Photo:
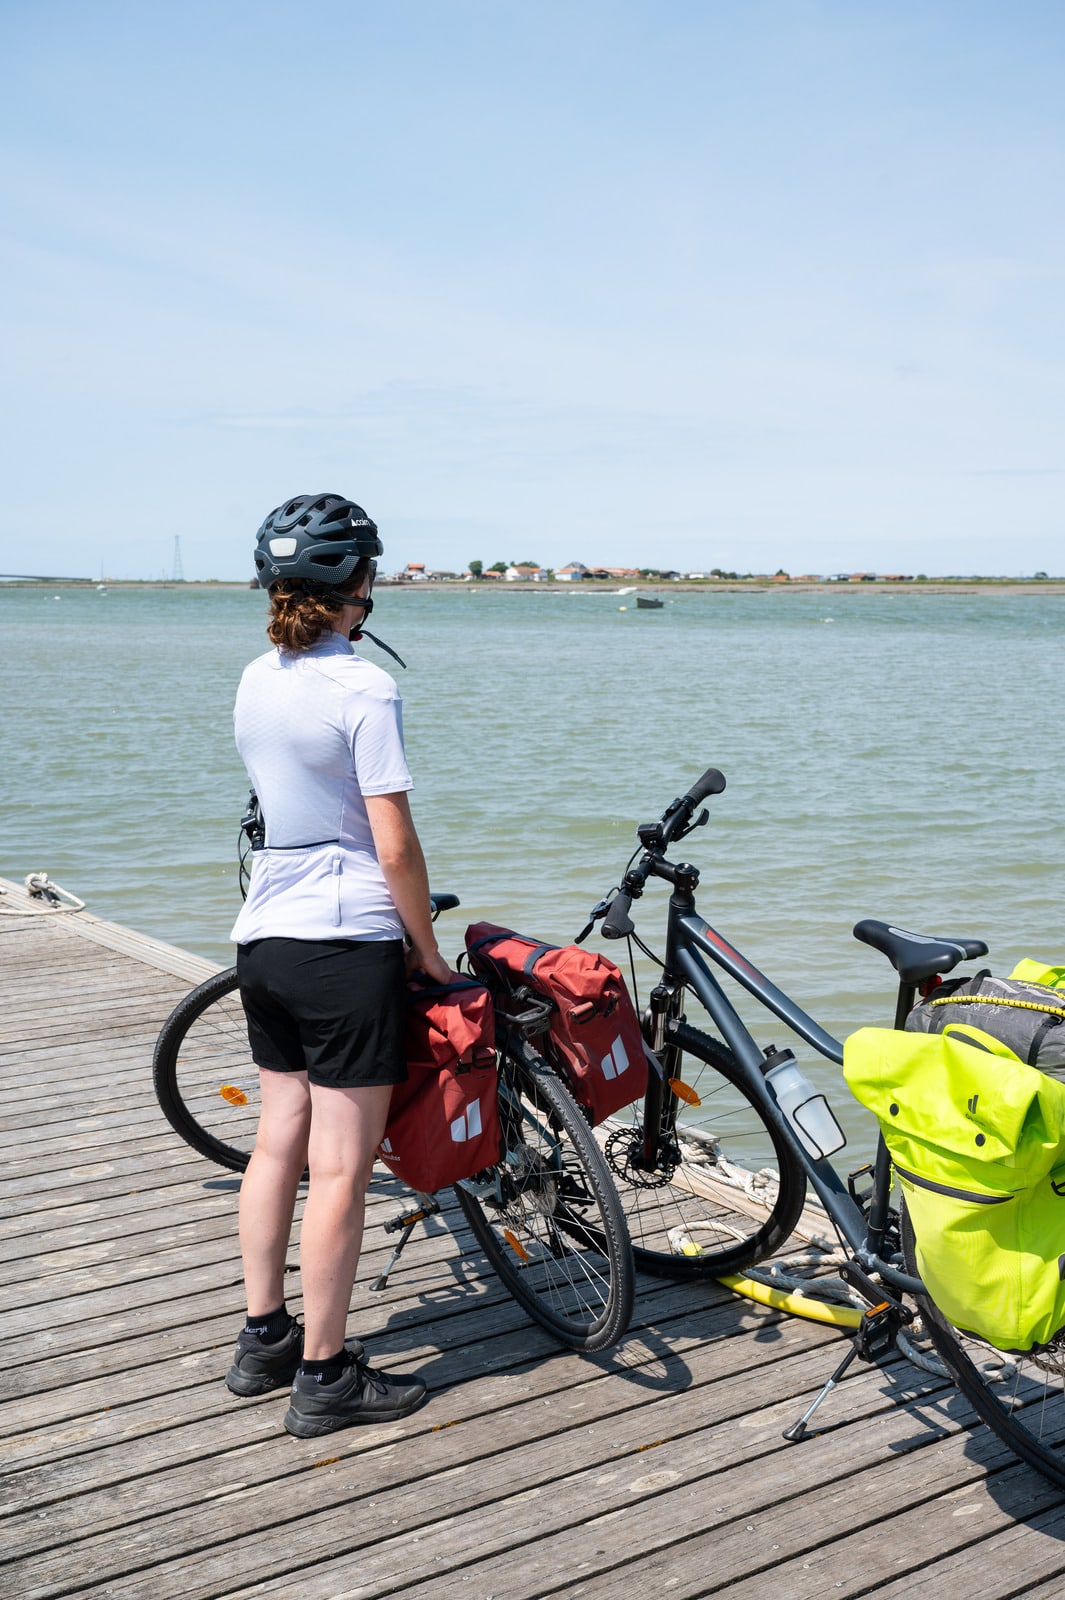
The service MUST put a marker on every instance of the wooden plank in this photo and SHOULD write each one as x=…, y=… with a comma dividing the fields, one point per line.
x=532, y=1472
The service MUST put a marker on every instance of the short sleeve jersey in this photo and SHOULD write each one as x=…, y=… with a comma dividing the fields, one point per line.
x=317, y=731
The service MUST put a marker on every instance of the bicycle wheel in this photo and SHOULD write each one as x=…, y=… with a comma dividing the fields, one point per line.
x=1021, y=1397
x=205, y=1080
x=547, y=1216
x=698, y=1209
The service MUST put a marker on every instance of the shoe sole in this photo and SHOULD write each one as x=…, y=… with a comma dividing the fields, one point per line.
x=304, y=1427
x=246, y=1384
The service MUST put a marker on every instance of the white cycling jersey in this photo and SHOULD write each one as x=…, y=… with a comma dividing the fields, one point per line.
x=317, y=730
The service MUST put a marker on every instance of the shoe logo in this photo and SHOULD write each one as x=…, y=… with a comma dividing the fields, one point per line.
x=615, y=1063
x=468, y=1125
x=971, y=1103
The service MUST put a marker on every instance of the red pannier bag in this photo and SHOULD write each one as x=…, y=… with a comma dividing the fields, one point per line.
x=443, y=1123
x=593, y=1031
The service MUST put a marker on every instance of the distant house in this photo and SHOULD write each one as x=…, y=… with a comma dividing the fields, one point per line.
x=573, y=573
x=863, y=577
x=622, y=572
x=523, y=573
x=414, y=572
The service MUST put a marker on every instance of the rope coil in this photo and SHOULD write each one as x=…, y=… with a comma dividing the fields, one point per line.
x=51, y=898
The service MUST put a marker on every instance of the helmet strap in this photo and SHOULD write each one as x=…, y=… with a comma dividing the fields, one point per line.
x=357, y=633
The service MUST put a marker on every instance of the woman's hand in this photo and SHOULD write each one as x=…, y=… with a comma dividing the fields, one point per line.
x=430, y=962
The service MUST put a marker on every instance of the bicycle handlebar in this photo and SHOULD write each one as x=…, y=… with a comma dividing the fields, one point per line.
x=676, y=816
x=617, y=924
x=675, y=822
x=711, y=782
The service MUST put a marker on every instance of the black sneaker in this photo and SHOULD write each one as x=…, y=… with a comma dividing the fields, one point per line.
x=259, y=1367
x=360, y=1394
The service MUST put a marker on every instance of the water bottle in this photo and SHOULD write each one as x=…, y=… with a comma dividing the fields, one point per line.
x=808, y=1112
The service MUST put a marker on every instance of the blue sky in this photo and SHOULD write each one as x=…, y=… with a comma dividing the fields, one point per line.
x=653, y=282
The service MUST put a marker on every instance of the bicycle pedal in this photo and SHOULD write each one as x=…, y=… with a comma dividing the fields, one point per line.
x=861, y=1197
x=874, y=1293
x=407, y=1219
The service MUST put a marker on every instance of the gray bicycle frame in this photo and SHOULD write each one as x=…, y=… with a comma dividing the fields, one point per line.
x=688, y=934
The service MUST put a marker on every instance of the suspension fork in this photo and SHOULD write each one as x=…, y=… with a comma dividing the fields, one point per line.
x=660, y=1103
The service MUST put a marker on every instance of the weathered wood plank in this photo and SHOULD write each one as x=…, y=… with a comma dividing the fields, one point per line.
x=532, y=1472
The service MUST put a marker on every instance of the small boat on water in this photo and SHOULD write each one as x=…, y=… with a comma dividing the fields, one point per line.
x=648, y=602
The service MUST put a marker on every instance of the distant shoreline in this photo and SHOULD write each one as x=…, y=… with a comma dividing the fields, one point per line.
x=937, y=586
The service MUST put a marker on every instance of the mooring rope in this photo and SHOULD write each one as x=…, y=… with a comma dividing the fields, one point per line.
x=51, y=898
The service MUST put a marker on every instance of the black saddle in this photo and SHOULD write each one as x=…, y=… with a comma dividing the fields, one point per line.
x=917, y=956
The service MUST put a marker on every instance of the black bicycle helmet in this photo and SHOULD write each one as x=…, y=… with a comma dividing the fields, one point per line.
x=318, y=539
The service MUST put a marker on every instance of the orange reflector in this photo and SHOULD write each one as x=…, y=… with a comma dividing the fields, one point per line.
x=516, y=1245
x=235, y=1096
x=684, y=1091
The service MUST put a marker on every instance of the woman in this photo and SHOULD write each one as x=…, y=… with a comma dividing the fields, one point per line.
x=338, y=887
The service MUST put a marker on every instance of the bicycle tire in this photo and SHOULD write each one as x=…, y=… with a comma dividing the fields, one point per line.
x=547, y=1217
x=1024, y=1404
x=688, y=1196
x=205, y=1080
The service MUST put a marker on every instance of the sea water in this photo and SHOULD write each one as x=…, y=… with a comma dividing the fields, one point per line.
x=888, y=754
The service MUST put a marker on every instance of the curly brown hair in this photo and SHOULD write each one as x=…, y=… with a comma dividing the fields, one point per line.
x=299, y=618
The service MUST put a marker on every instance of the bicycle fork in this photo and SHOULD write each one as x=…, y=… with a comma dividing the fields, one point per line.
x=660, y=1103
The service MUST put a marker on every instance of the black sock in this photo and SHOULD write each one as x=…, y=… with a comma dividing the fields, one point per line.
x=270, y=1328
x=327, y=1371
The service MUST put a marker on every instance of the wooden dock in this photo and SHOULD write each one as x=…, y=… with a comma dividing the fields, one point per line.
x=130, y=1471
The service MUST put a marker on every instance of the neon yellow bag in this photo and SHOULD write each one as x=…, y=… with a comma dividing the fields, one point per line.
x=978, y=1143
x=1035, y=972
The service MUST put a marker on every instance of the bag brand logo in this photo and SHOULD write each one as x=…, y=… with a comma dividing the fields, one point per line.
x=1058, y=1188
x=971, y=1103
x=468, y=1125
x=615, y=1063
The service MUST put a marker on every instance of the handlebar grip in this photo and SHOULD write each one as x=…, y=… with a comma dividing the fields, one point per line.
x=711, y=782
x=442, y=902
x=617, y=924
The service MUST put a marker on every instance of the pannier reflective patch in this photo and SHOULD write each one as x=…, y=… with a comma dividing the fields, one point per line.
x=468, y=1125
x=614, y=1064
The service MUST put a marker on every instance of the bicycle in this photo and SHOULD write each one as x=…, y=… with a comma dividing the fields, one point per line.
x=715, y=1099
x=547, y=1215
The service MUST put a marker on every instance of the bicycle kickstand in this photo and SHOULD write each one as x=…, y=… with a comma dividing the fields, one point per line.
x=407, y=1221
x=874, y=1336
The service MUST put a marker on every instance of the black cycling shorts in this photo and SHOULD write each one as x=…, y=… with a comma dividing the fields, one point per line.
x=333, y=1008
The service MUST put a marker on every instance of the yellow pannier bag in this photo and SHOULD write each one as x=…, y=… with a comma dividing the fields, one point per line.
x=977, y=1139
x=1030, y=971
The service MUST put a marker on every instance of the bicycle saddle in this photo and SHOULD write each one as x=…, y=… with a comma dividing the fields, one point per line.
x=917, y=956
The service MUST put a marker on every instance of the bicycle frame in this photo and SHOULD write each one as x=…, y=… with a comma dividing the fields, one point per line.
x=690, y=937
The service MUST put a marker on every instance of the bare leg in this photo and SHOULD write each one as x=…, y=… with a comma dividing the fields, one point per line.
x=347, y=1125
x=268, y=1192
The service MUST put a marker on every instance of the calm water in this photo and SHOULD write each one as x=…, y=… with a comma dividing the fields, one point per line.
x=887, y=755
